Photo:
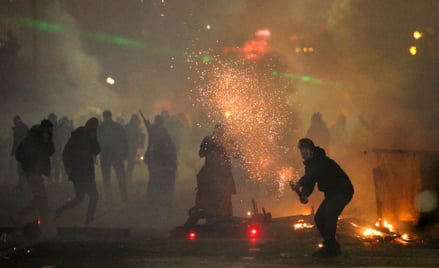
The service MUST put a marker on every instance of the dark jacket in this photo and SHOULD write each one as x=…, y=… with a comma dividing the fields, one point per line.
x=329, y=176
x=161, y=149
x=78, y=155
x=34, y=152
x=112, y=140
x=19, y=132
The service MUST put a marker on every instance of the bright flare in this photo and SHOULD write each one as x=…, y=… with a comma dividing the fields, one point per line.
x=413, y=50
x=417, y=35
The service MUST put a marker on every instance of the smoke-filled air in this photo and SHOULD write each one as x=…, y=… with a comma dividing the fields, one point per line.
x=350, y=75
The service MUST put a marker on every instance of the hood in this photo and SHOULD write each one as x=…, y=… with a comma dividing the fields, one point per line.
x=319, y=152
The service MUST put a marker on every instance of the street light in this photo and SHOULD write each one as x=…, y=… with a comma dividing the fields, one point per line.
x=417, y=35
x=413, y=50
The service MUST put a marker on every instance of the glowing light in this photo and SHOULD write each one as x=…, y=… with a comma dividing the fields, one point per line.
x=427, y=201
x=253, y=49
x=206, y=58
x=302, y=225
x=265, y=33
x=248, y=102
x=208, y=27
x=311, y=49
x=385, y=224
x=305, y=49
x=260, y=115
x=39, y=222
x=417, y=35
x=372, y=232
x=110, y=81
x=116, y=40
x=320, y=245
x=141, y=158
x=297, y=50
x=192, y=235
x=413, y=50
x=249, y=213
x=253, y=232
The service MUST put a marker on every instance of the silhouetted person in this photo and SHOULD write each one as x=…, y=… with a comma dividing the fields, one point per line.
x=34, y=154
x=65, y=128
x=215, y=183
x=114, y=149
x=135, y=142
x=318, y=131
x=339, y=136
x=161, y=158
x=78, y=159
x=56, y=160
x=337, y=188
x=19, y=131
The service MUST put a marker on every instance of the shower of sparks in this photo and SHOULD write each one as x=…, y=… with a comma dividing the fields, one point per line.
x=252, y=108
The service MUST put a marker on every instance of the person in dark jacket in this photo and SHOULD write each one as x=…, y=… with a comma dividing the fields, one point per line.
x=161, y=158
x=114, y=150
x=78, y=158
x=34, y=154
x=19, y=131
x=215, y=183
x=336, y=186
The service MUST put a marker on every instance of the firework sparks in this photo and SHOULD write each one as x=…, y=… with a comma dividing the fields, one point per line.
x=253, y=110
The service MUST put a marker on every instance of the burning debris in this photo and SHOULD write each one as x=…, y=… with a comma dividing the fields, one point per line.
x=302, y=225
x=383, y=231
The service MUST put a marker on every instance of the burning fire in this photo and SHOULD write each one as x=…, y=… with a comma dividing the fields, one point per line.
x=302, y=225
x=383, y=231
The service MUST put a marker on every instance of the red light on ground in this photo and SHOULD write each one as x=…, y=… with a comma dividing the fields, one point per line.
x=192, y=235
x=253, y=232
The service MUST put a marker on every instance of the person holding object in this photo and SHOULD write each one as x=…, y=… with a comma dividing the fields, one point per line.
x=336, y=186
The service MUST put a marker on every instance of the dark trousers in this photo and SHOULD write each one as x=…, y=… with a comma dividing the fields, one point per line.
x=82, y=189
x=327, y=216
x=118, y=164
x=131, y=161
x=160, y=192
x=40, y=199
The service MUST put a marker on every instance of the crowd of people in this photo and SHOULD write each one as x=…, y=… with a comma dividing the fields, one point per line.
x=53, y=151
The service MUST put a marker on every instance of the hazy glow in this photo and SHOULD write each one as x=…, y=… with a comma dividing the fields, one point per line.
x=253, y=110
x=413, y=50
x=417, y=35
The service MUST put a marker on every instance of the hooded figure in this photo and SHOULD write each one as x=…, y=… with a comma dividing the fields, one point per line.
x=336, y=186
x=78, y=159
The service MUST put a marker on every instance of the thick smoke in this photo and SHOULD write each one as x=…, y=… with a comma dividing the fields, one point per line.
x=360, y=58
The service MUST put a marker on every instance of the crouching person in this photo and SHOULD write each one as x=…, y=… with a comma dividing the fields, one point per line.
x=334, y=183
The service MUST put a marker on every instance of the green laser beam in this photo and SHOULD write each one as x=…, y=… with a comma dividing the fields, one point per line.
x=304, y=78
x=116, y=40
